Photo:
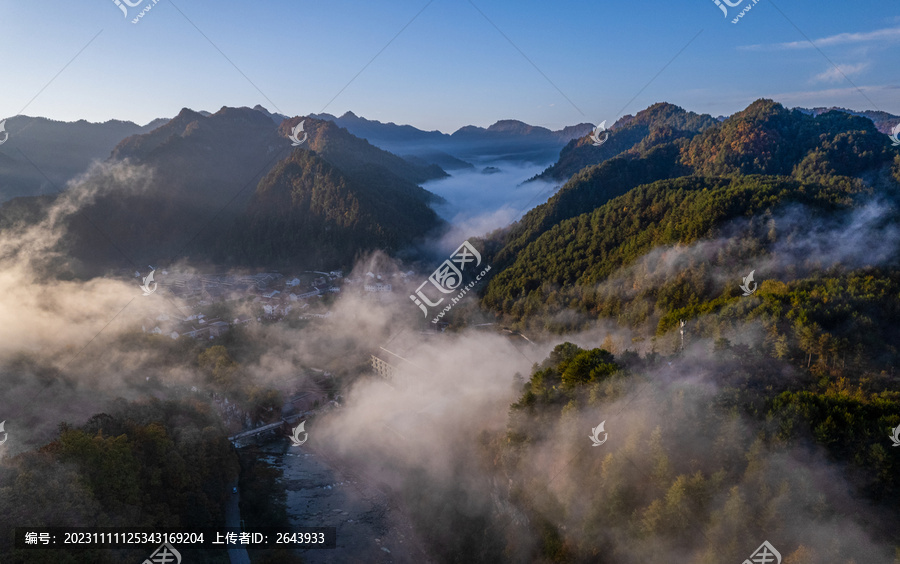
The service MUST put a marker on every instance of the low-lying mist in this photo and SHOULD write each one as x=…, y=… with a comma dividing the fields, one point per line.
x=488, y=197
x=685, y=475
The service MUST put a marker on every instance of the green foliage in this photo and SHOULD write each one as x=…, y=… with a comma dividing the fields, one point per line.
x=768, y=139
x=219, y=367
x=699, y=484
x=223, y=373
x=328, y=215
x=568, y=260
x=150, y=464
x=852, y=422
x=659, y=124
x=555, y=382
x=588, y=366
x=585, y=191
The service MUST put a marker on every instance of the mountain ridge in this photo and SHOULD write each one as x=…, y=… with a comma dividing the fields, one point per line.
x=764, y=144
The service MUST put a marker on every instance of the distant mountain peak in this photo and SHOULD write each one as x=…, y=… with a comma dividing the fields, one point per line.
x=502, y=124
x=277, y=118
x=187, y=114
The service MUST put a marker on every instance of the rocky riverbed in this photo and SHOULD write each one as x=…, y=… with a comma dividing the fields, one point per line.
x=321, y=492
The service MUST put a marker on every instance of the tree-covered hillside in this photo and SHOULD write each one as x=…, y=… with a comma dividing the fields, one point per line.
x=204, y=187
x=306, y=207
x=763, y=139
x=147, y=464
x=703, y=201
x=633, y=135
x=699, y=467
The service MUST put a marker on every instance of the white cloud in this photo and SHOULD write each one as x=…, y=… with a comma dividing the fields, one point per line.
x=880, y=35
x=837, y=73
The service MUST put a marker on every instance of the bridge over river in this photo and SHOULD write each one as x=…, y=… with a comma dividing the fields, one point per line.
x=246, y=438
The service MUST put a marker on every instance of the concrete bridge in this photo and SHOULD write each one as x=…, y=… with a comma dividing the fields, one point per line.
x=244, y=438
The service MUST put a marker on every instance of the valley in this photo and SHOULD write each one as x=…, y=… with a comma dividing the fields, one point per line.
x=449, y=283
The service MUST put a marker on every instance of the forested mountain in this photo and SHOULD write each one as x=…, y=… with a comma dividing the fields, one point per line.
x=660, y=123
x=196, y=158
x=697, y=469
x=589, y=188
x=188, y=188
x=41, y=154
x=307, y=207
x=763, y=139
x=884, y=121
x=509, y=129
x=768, y=139
x=383, y=135
x=831, y=170
x=354, y=155
x=720, y=431
x=177, y=189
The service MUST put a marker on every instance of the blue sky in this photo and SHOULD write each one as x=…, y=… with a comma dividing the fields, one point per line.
x=450, y=66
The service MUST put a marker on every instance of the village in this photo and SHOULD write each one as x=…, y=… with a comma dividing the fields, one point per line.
x=203, y=300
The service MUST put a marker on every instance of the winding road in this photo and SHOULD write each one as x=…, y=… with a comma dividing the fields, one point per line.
x=236, y=553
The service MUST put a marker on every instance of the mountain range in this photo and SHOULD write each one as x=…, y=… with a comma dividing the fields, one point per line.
x=229, y=188
x=883, y=121
x=41, y=155
x=505, y=139
x=679, y=186
x=745, y=272
x=756, y=258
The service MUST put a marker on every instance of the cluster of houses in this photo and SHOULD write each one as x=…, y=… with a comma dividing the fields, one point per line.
x=276, y=295
x=276, y=304
x=196, y=326
x=199, y=290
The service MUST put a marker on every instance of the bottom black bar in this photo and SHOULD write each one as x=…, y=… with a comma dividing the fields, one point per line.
x=74, y=538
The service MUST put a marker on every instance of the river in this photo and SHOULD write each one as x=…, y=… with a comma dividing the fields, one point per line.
x=323, y=492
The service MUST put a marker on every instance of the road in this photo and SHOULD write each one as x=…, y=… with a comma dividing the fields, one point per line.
x=237, y=554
